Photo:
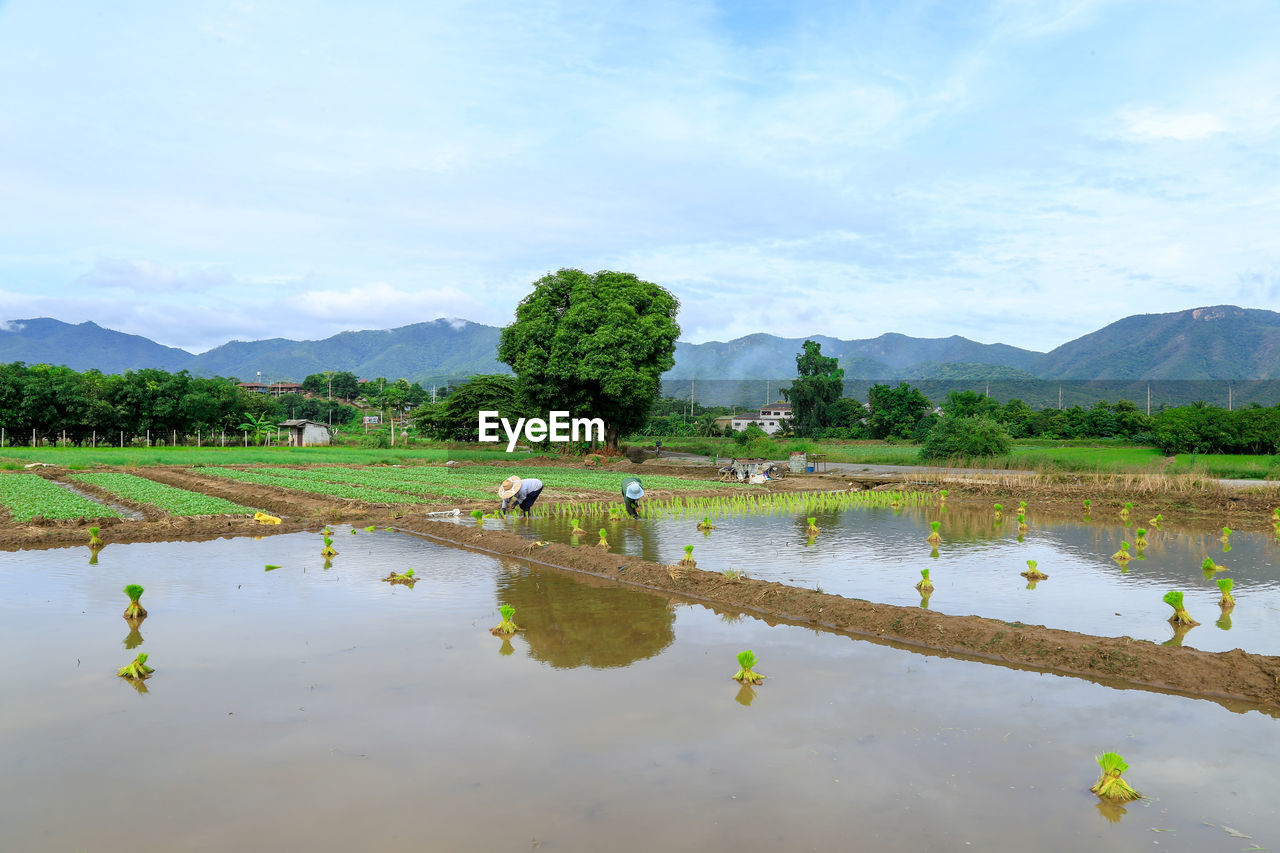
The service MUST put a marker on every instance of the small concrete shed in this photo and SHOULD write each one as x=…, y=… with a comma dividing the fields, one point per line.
x=304, y=433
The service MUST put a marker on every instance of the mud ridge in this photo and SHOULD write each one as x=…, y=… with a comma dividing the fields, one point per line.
x=1234, y=675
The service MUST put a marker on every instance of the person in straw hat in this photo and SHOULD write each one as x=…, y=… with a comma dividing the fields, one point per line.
x=520, y=493
x=632, y=492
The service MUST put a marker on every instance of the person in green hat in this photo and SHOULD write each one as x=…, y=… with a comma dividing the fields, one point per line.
x=632, y=492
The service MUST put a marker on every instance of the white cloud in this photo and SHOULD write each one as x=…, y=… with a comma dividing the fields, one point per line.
x=1185, y=127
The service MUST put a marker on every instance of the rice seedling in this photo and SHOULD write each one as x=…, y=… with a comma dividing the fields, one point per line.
x=733, y=574
x=896, y=501
x=687, y=560
x=137, y=670
x=705, y=525
x=370, y=528
x=477, y=514
x=353, y=531
x=135, y=611
x=328, y=550
x=934, y=536
x=1209, y=567
x=1155, y=522
x=577, y=527
x=1022, y=522
x=1022, y=507
x=999, y=511
x=1224, y=585
x=507, y=626
x=1109, y=785
x=615, y=513
x=812, y=529
x=1180, y=615
x=746, y=673
x=264, y=518
x=327, y=531
x=1124, y=511
x=603, y=544
x=1087, y=503
x=405, y=578
x=95, y=541
x=1032, y=573
x=942, y=496
x=1140, y=540
x=270, y=567
x=925, y=584
x=1122, y=556
x=1226, y=534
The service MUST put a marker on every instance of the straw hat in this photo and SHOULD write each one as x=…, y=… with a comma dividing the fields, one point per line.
x=634, y=490
x=509, y=487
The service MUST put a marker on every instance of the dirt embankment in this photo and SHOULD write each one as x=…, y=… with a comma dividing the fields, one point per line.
x=1235, y=675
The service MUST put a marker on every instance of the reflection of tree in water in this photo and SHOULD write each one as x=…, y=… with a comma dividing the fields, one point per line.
x=570, y=623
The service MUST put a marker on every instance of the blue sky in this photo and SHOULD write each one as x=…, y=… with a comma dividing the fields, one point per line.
x=1012, y=171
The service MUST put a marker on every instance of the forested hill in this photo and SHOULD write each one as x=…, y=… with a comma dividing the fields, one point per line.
x=1221, y=342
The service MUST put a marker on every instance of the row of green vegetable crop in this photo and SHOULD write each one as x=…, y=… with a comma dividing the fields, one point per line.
x=28, y=495
x=172, y=500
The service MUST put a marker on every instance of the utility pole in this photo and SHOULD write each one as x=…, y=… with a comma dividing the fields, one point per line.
x=1059, y=398
x=1148, y=399
x=1228, y=396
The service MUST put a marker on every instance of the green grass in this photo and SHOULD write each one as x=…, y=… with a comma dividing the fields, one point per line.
x=172, y=500
x=1074, y=455
x=87, y=457
x=26, y=495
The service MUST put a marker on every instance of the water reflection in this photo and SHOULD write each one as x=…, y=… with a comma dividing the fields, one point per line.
x=746, y=695
x=1111, y=810
x=1180, y=630
x=134, y=639
x=572, y=622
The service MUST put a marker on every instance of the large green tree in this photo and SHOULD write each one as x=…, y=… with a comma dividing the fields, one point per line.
x=457, y=416
x=818, y=385
x=593, y=345
x=896, y=412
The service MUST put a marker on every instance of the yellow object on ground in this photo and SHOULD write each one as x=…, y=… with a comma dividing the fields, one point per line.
x=263, y=518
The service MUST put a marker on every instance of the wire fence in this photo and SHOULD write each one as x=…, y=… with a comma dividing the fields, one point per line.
x=149, y=438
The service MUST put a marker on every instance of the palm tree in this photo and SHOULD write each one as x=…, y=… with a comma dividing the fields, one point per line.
x=259, y=426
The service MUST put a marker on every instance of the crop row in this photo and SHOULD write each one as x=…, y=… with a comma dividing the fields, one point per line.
x=168, y=498
x=301, y=484
x=389, y=479
x=748, y=504
x=26, y=495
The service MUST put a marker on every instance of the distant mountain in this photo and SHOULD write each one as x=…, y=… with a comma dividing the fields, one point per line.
x=424, y=352
x=85, y=346
x=763, y=355
x=1220, y=342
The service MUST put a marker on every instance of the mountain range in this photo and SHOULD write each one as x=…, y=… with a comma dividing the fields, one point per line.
x=1214, y=343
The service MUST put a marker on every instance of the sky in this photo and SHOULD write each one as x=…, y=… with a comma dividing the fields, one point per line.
x=1013, y=172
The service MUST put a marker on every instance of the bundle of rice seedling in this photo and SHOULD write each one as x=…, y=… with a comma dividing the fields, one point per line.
x=1209, y=567
x=706, y=525
x=134, y=611
x=603, y=544
x=813, y=527
x=506, y=627
x=934, y=537
x=1226, y=602
x=95, y=541
x=1123, y=555
x=925, y=584
x=1032, y=573
x=1180, y=615
x=687, y=560
x=1109, y=785
x=745, y=675
x=1140, y=539
x=328, y=549
x=406, y=578
x=1226, y=534
x=477, y=514
x=1022, y=522
x=137, y=670
x=577, y=527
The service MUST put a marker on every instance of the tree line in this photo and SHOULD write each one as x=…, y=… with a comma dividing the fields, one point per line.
x=51, y=400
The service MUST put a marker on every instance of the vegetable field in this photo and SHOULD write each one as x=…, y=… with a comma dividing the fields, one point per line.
x=26, y=495
x=423, y=484
x=172, y=500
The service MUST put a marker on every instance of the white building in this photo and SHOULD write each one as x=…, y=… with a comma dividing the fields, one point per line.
x=769, y=418
x=305, y=433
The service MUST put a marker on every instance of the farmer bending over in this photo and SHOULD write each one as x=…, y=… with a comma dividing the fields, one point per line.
x=520, y=493
x=632, y=492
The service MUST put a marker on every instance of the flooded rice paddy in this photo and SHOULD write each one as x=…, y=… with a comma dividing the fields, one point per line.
x=323, y=710
x=877, y=554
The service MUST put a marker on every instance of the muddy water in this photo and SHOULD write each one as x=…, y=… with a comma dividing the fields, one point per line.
x=877, y=555
x=305, y=709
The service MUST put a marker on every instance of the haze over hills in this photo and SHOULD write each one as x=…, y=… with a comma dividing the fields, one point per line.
x=1219, y=342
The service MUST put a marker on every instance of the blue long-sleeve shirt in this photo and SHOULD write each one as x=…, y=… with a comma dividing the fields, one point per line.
x=527, y=487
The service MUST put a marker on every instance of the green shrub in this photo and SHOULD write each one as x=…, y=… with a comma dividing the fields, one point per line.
x=966, y=437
